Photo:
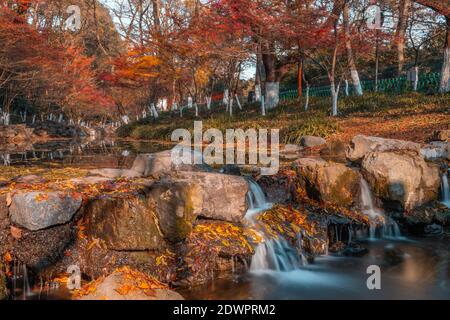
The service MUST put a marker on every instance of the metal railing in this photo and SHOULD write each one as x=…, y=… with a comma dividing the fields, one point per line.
x=428, y=83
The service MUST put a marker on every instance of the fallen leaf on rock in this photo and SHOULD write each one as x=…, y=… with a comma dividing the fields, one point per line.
x=8, y=199
x=124, y=289
x=16, y=232
x=7, y=257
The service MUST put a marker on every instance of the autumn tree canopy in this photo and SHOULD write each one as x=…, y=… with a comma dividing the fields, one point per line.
x=128, y=55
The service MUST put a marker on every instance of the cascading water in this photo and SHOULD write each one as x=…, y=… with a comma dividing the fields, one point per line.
x=256, y=200
x=271, y=254
x=445, y=190
x=389, y=228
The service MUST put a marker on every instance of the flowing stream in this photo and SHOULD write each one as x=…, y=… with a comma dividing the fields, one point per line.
x=410, y=268
x=445, y=190
x=273, y=253
x=389, y=228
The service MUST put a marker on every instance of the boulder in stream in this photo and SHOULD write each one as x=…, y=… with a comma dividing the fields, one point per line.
x=362, y=145
x=161, y=164
x=15, y=133
x=403, y=180
x=126, y=284
x=124, y=222
x=436, y=150
x=176, y=205
x=224, y=196
x=3, y=288
x=329, y=182
x=39, y=210
x=312, y=141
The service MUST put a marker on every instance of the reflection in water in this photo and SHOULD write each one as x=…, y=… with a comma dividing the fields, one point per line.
x=421, y=272
x=85, y=154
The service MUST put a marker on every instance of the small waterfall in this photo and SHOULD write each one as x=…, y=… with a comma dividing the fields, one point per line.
x=21, y=288
x=275, y=254
x=389, y=228
x=256, y=200
x=272, y=254
x=445, y=190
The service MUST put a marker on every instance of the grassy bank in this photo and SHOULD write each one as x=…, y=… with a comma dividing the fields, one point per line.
x=399, y=116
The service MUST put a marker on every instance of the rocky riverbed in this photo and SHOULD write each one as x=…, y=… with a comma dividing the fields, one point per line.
x=170, y=227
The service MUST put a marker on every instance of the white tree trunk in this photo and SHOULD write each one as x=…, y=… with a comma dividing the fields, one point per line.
x=346, y=87
x=231, y=107
x=307, y=98
x=225, y=97
x=335, y=95
x=356, y=82
x=263, y=106
x=238, y=102
x=154, y=112
x=416, y=78
x=258, y=92
x=196, y=109
x=272, y=94
x=445, y=74
x=208, y=102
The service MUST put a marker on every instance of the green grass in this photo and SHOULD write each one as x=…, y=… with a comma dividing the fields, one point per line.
x=289, y=116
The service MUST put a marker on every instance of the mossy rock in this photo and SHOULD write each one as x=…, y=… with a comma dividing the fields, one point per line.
x=174, y=203
x=330, y=182
x=3, y=288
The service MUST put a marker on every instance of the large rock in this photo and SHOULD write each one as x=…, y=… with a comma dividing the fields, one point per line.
x=43, y=248
x=312, y=141
x=113, y=173
x=442, y=135
x=124, y=222
x=120, y=286
x=152, y=165
x=40, y=210
x=436, y=150
x=330, y=182
x=162, y=164
x=362, y=145
x=402, y=179
x=3, y=289
x=224, y=196
x=15, y=133
x=4, y=220
x=176, y=204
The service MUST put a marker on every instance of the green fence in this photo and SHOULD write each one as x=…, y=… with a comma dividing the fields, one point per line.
x=428, y=83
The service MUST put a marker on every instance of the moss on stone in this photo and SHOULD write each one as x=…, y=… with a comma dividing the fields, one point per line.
x=3, y=288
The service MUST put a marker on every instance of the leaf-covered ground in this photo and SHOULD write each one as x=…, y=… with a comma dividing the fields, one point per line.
x=409, y=116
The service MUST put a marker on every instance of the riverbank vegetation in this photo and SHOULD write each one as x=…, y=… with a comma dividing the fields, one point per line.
x=411, y=116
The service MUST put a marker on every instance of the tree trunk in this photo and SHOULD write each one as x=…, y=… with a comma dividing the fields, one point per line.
x=258, y=75
x=300, y=78
x=263, y=107
x=156, y=18
x=377, y=60
x=334, y=96
x=350, y=58
x=272, y=87
x=307, y=97
x=400, y=33
x=445, y=74
x=272, y=94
